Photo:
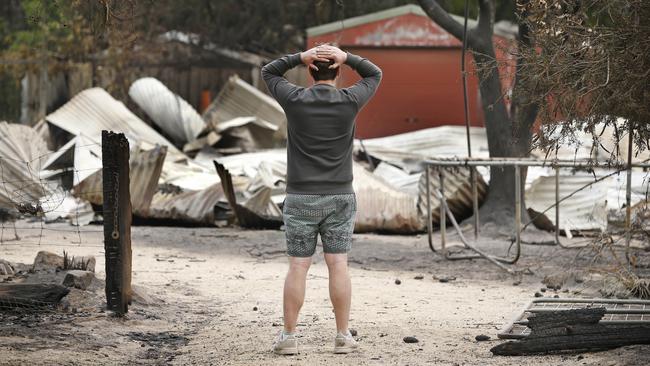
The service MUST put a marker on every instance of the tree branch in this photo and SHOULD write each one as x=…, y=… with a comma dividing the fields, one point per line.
x=443, y=19
x=486, y=18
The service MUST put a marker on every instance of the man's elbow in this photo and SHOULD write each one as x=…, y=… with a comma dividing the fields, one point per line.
x=267, y=75
x=379, y=75
x=265, y=71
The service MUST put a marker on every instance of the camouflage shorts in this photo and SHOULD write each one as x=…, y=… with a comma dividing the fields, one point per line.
x=330, y=215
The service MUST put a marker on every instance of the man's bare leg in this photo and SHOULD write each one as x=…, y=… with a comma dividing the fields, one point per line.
x=340, y=289
x=294, y=291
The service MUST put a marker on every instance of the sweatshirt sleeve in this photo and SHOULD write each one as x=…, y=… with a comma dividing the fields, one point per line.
x=273, y=75
x=370, y=74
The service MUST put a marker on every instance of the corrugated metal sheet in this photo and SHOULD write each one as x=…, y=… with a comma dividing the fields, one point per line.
x=398, y=178
x=438, y=142
x=408, y=150
x=458, y=192
x=381, y=207
x=238, y=98
x=247, y=134
x=195, y=207
x=168, y=110
x=81, y=156
x=79, y=211
x=588, y=208
x=145, y=167
x=94, y=110
x=22, y=152
x=617, y=185
x=247, y=164
x=188, y=175
x=585, y=210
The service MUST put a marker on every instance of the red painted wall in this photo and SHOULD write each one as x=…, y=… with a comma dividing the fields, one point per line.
x=421, y=88
x=408, y=30
x=422, y=84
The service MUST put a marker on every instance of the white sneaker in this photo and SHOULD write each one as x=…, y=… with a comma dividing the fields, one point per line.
x=345, y=343
x=286, y=344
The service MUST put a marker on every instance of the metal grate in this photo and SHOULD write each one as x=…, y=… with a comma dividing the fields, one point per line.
x=617, y=312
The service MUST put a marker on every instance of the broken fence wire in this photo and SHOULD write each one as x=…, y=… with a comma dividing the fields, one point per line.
x=33, y=199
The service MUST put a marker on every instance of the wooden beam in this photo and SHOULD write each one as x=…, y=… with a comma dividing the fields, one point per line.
x=30, y=295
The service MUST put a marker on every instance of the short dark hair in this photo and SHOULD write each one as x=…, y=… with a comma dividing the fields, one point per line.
x=324, y=72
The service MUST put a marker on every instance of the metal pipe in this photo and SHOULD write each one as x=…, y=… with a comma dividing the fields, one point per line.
x=443, y=214
x=473, y=174
x=609, y=311
x=557, y=206
x=527, y=162
x=592, y=301
x=427, y=169
x=463, y=74
x=518, y=207
x=462, y=237
x=628, y=196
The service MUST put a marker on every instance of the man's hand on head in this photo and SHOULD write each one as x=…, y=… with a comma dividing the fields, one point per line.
x=308, y=57
x=332, y=53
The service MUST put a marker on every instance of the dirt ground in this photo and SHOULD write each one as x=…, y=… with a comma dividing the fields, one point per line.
x=213, y=296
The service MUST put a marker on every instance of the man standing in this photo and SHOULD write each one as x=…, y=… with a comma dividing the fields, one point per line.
x=320, y=198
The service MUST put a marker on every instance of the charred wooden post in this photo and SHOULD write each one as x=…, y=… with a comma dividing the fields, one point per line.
x=117, y=220
x=577, y=330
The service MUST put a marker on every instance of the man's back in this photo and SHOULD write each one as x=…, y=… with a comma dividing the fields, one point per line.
x=320, y=200
x=320, y=125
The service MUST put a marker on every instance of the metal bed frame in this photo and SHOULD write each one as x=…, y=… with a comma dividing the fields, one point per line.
x=472, y=163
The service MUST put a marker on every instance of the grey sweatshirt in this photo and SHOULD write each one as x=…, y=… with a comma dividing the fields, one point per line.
x=320, y=125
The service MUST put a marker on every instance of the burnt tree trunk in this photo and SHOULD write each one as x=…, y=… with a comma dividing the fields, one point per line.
x=508, y=134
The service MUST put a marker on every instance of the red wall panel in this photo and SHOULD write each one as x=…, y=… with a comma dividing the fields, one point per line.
x=421, y=88
x=408, y=30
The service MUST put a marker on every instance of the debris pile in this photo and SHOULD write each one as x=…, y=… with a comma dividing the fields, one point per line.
x=47, y=281
x=229, y=166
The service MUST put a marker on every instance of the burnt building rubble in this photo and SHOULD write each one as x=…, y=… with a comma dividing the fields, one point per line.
x=228, y=166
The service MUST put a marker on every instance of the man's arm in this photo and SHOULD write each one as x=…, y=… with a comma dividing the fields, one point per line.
x=273, y=72
x=370, y=74
x=273, y=75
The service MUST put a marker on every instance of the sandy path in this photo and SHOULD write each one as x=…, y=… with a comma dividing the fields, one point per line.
x=212, y=280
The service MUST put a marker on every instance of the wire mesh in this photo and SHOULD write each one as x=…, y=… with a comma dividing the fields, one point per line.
x=39, y=202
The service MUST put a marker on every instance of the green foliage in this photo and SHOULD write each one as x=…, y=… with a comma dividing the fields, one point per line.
x=55, y=32
x=9, y=97
x=277, y=26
